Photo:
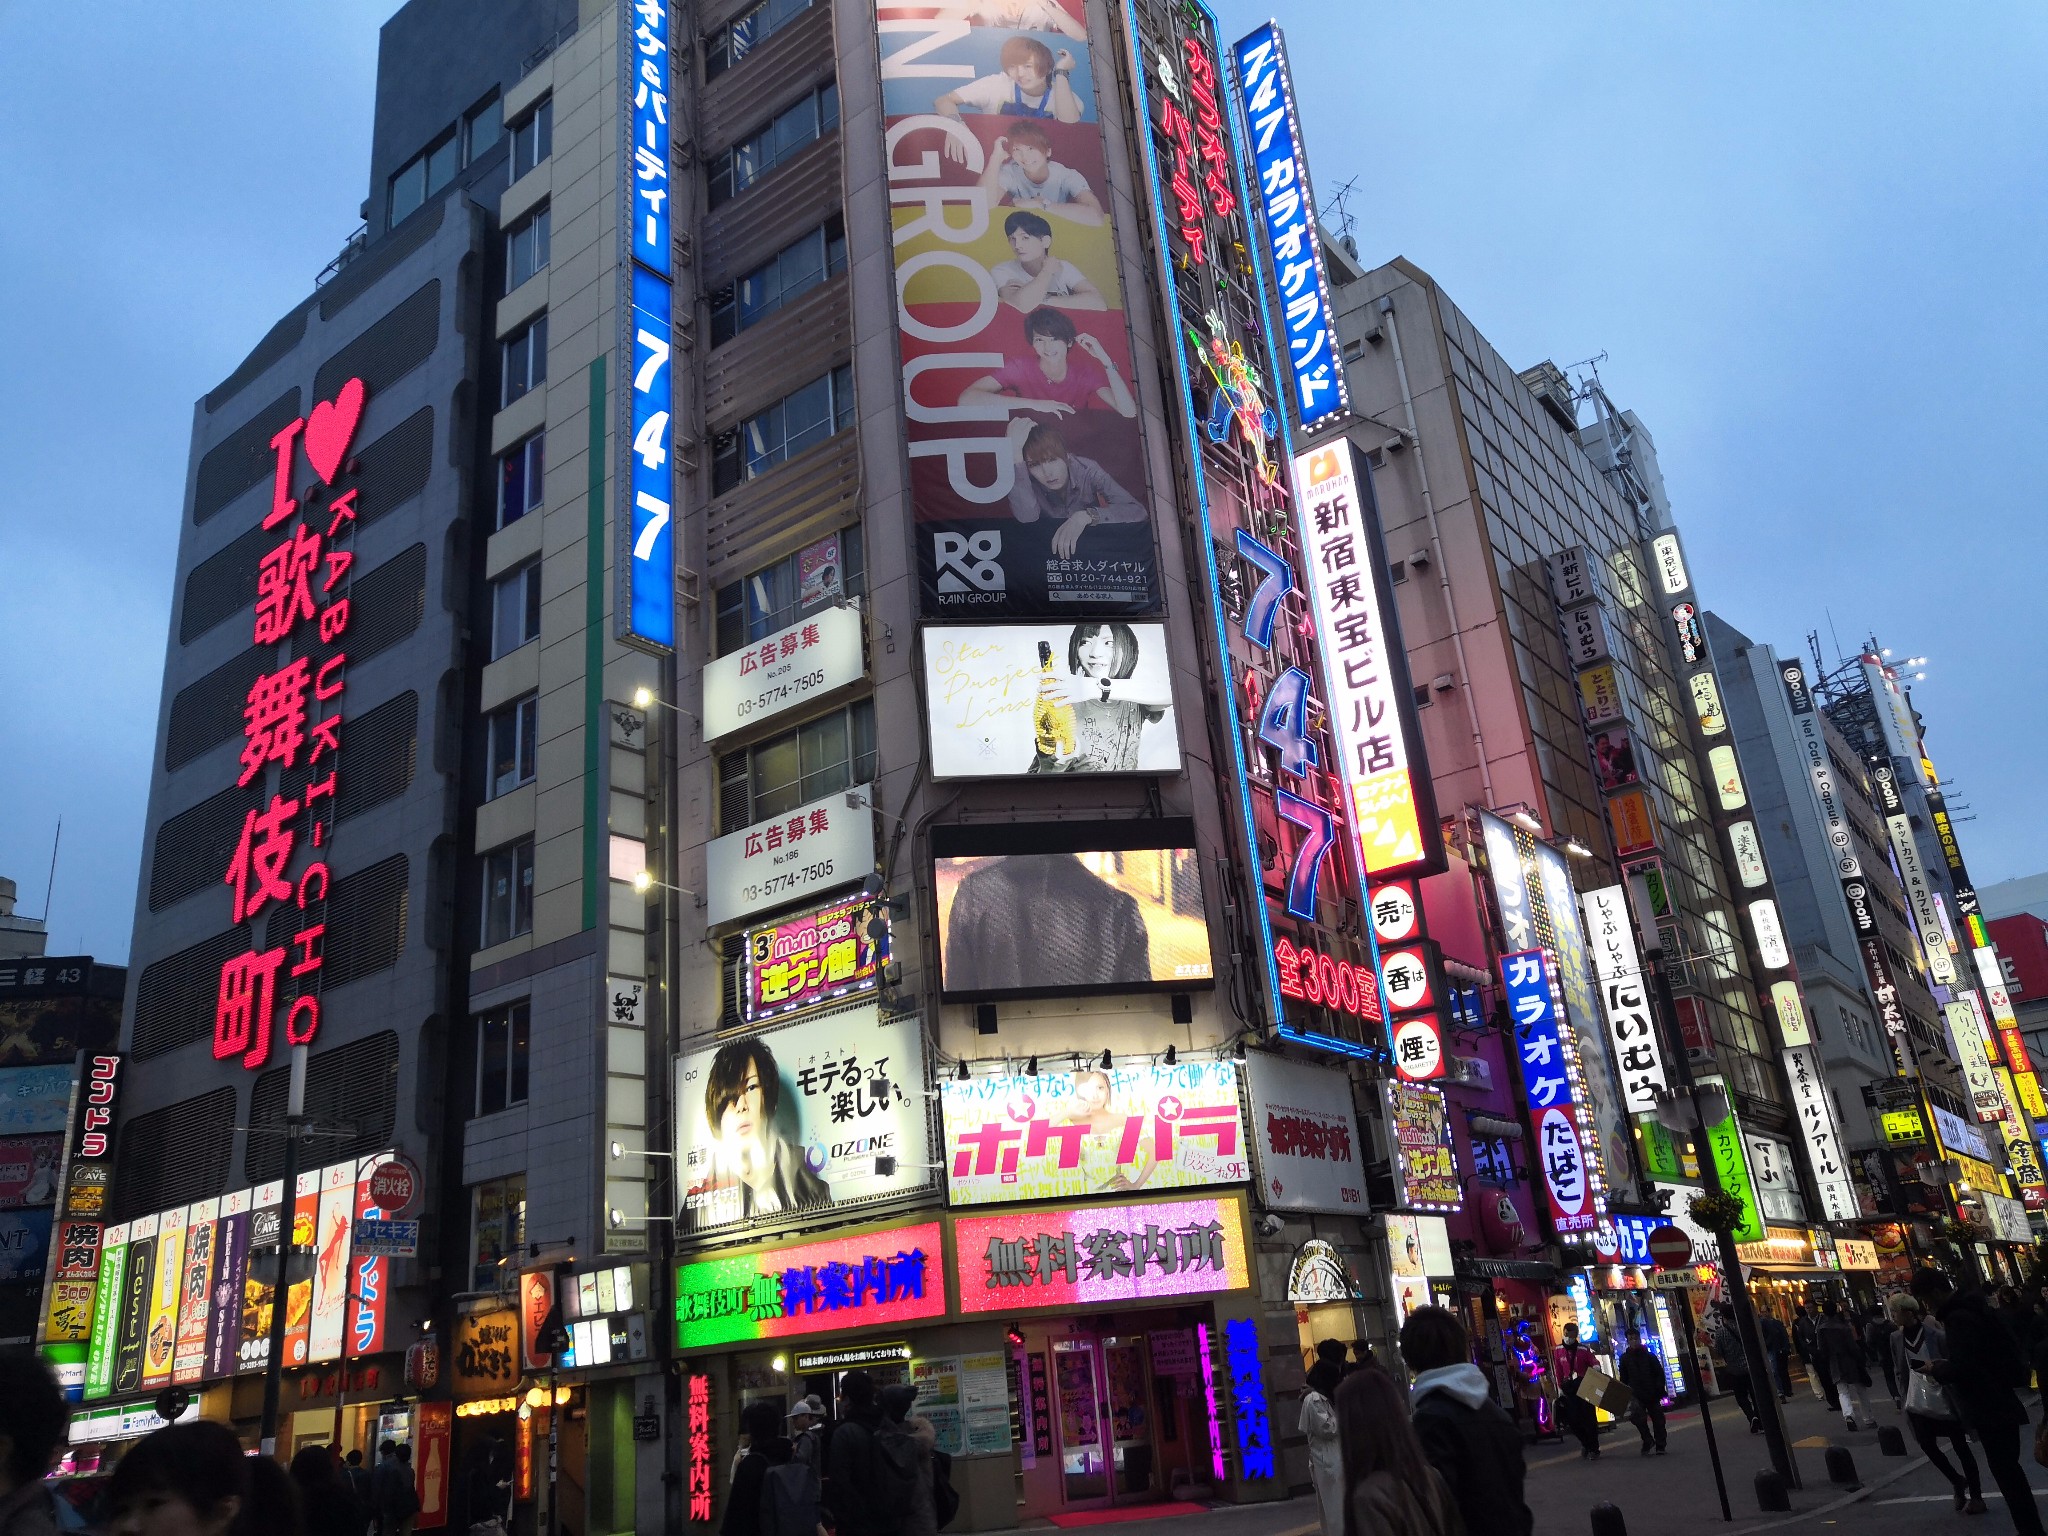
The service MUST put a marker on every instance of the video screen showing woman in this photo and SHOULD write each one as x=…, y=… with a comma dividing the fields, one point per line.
x=1091, y=720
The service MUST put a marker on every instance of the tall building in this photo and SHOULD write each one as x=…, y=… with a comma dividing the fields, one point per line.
x=20, y=934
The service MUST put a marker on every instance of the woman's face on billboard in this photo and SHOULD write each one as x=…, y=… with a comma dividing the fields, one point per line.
x=1097, y=652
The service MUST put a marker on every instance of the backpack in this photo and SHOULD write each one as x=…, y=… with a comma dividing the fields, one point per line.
x=790, y=1500
x=945, y=1497
x=896, y=1473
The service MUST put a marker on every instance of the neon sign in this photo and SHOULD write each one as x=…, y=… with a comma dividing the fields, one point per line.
x=1063, y=1257
x=1314, y=977
x=1554, y=1089
x=1248, y=1397
x=296, y=708
x=846, y=1282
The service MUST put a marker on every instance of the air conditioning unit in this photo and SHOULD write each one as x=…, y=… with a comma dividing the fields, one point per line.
x=1470, y=1071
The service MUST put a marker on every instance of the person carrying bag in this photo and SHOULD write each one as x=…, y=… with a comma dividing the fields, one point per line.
x=1931, y=1411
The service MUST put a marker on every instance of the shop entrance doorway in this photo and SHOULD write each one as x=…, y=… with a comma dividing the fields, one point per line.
x=1129, y=1419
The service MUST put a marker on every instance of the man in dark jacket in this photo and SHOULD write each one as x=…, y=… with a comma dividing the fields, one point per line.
x=1806, y=1334
x=34, y=1420
x=1877, y=1343
x=767, y=1446
x=1983, y=1367
x=1043, y=920
x=1643, y=1374
x=852, y=1489
x=1466, y=1435
x=1778, y=1349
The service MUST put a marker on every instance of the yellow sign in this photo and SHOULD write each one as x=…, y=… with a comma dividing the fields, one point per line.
x=1854, y=1253
x=1634, y=831
x=1599, y=695
x=2029, y=1086
x=1903, y=1126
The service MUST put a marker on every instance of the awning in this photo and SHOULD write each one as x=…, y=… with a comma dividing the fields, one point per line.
x=1508, y=1269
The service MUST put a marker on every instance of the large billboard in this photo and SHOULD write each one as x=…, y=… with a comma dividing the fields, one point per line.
x=1305, y=1127
x=865, y=1280
x=1101, y=919
x=1027, y=471
x=53, y=1007
x=814, y=848
x=1097, y=1131
x=1014, y=699
x=1026, y=1260
x=795, y=1118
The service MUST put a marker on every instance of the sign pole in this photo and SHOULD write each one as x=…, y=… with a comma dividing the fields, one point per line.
x=294, y=1125
x=1692, y=1366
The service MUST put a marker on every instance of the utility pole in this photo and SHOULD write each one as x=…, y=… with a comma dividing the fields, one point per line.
x=294, y=1128
x=1757, y=1360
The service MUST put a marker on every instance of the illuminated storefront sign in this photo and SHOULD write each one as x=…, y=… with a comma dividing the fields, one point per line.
x=1550, y=1074
x=1815, y=1114
x=294, y=714
x=1425, y=1166
x=864, y=1281
x=1293, y=237
x=68, y=1308
x=1624, y=995
x=1919, y=896
x=646, y=557
x=1706, y=704
x=1317, y=978
x=1770, y=934
x=1243, y=1352
x=1966, y=1038
x=1748, y=848
x=1635, y=831
x=1393, y=809
x=1071, y=1256
x=1670, y=564
x=1305, y=1130
x=1724, y=1140
x=1092, y=1132
x=806, y=962
x=699, y=1475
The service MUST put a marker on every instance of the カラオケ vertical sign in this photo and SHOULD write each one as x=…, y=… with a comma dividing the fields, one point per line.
x=647, y=610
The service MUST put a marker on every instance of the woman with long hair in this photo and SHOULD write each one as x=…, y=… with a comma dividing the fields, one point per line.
x=196, y=1480
x=1391, y=1489
x=1325, y=1456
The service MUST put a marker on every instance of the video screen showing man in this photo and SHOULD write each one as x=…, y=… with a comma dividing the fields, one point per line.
x=1043, y=921
x=1034, y=276
x=1021, y=173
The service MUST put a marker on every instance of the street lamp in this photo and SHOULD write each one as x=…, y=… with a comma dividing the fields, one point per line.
x=644, y=882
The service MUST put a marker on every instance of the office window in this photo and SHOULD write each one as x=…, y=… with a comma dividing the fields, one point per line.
x=799, y=420
x=422, y=176
x=511, y=740
x=504, y=1037
x=497, y=1228
x=818, y=758
x=525, y=359
x=772, y=598
x=515, y=610
x=738, y=168
x=526, y=249
x=482, y=126
x=508, y=892
x=519, y=479
x=795, y=269
x=533, y=138
x=738, y=37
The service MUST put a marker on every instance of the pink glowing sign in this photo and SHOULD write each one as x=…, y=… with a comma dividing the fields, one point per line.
x=1066, y=1256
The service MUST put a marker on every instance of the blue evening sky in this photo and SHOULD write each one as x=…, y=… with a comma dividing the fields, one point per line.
x=1812, y=241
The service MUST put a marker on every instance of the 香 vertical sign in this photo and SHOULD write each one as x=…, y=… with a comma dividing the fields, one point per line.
x=1393, y=808
x=1293, y=239
x=1549, y=1081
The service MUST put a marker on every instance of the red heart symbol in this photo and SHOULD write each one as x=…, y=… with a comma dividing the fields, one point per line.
x=331, y=427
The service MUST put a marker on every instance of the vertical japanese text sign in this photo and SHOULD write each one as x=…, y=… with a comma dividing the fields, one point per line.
x=293, y=718
x=1576, y=1207
x=1293, y=240
x=647, y=610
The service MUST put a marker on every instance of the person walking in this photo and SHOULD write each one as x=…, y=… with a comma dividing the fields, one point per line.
x=487, y=1488
x=1778, y=1350
x=357, y=1476
x=1843, y=1352
x=1931, y=1413
x=327, y=1506
x=1569, y=1363
x=767, y=1447
x=1877, y=1345
x=1391, y=1487
x=1643, y=1374
x=34, y=1420
x=907, y=1443
x=861, y=1500
x=1731, y=1364
x=1982, y=1368
x=1464, y=1434
x=195, y=1479
x=1318, y=1422
x=392, y=1499
x=1804, y=1332
x=806, y=1439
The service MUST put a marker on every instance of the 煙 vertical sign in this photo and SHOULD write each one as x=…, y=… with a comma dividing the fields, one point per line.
x=646, y=611
x=1293, y=238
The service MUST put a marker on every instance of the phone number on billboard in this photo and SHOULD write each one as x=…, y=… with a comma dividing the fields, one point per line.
x=788, y=880
x=788, y=693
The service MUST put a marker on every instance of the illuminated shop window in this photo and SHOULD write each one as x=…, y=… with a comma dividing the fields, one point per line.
x=801, y=419
x=738, y=168
x=794, y=270
x=738, y=37
x=503, y=1039
x=818, y=758
x=497, y=1229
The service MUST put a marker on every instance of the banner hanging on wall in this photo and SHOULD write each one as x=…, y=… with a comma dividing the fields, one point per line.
x=1306, y=1132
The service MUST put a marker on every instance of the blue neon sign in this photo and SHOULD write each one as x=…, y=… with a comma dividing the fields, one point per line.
x=651, y=580
x=648, y=61
x=1292, y=239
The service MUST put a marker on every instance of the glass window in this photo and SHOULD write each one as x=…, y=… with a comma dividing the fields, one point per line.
x=408, y=191
x=443, y=161
x=525, y=359
x=738, y=37
x=503, y=1039
x=482, y=126
x=753, y=157
x=508, y=892
x=799, y=420
x=526, y=250
x=515, y=610
x=816, y=759
x=519, y=479
x=790, y=272
x=498, y=1224
x=511, y=746
x=773, y=598
x=533, y=138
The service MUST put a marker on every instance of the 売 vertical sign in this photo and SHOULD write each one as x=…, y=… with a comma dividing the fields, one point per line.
x=1292, y=236
x=646, y=610
x=1393, y=808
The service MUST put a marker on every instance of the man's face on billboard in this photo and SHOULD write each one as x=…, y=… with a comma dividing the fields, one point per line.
x=741, y=1119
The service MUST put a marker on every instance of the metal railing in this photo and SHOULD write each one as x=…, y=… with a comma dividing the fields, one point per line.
x=351, y=248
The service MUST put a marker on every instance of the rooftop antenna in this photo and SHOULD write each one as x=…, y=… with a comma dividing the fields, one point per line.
x=55, y=843
x=1340, y=205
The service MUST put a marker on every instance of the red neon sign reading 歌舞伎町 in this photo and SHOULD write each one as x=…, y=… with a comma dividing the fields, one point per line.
x=291, y=715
